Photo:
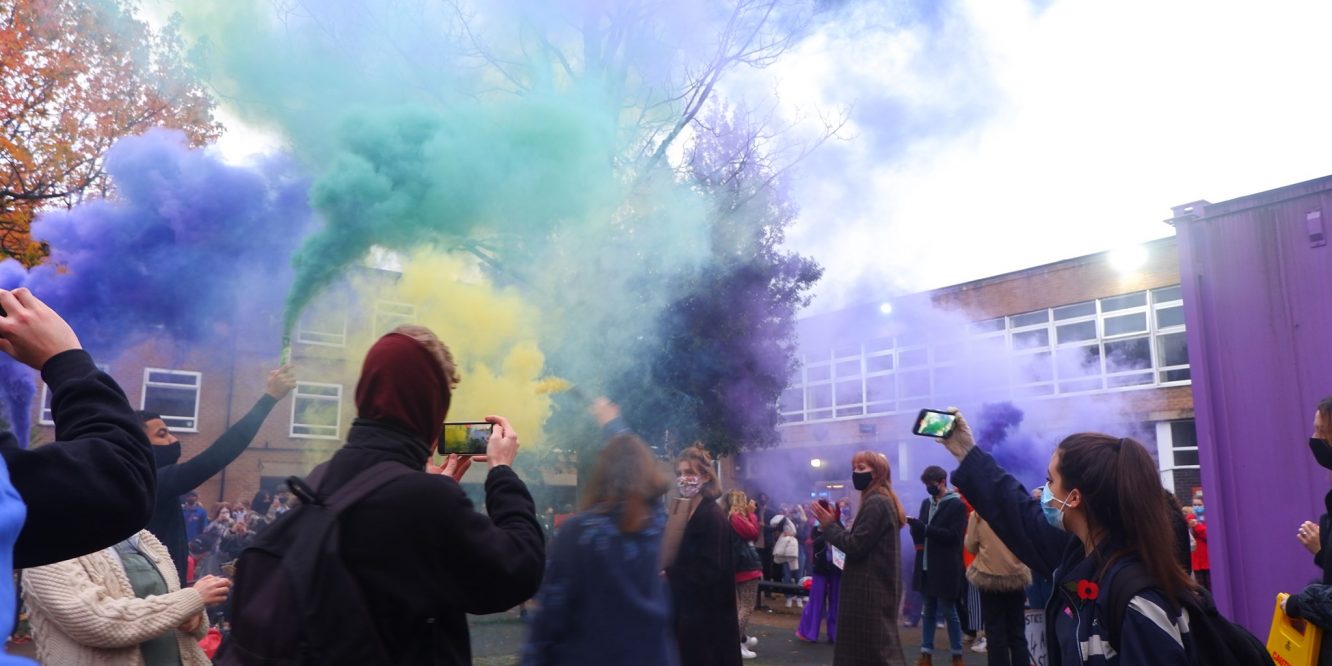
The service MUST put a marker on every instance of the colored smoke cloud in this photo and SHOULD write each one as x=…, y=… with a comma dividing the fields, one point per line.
x=187, y=243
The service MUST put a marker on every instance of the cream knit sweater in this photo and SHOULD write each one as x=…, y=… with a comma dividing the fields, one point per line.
x=84, y=613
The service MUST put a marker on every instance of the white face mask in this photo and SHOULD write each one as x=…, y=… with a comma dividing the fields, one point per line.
x=689, y=485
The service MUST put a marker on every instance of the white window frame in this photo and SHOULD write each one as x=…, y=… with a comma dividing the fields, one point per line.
x=296, y=397
x=168, y=418
x=399, y=313
x=307, y=335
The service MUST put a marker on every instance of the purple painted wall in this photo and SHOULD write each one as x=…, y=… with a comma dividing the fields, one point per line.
x=1258, y=302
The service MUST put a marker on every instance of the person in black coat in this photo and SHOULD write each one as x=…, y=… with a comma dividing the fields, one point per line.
x=422, y=555
x=176, y=478
x=100, y=457
x=939, y=574
x=702, y=573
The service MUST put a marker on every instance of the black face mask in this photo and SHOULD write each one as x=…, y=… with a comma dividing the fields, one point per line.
x=861, y=480
x=166, y=454
x=934, y=491
x=1322, y=451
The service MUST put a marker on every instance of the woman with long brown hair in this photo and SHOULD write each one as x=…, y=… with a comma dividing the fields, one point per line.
x=700, y=570
x=603, y=600
x=1100, y=515
x=871, y=585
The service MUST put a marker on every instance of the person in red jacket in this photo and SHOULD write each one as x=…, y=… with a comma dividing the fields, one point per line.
x=748, y=571
x=1202, y=568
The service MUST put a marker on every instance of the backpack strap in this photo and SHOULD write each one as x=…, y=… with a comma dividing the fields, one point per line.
x=1125, y=584
x=365, y=482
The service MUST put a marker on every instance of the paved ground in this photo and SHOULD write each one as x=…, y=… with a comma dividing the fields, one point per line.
x=495, y=639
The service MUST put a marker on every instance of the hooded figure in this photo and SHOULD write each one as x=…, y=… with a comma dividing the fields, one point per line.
x=421, y=553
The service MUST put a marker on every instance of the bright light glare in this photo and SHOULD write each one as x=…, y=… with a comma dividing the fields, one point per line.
x=886, y=308
x=816, y=463
x=1128, y=259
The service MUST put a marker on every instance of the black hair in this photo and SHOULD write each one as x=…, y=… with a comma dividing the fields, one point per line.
x=146, y=416
x=933, y=474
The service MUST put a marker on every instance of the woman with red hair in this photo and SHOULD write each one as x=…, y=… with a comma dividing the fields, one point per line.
x=870, y=587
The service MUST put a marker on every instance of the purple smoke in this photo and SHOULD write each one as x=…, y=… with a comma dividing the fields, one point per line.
x=185, y=238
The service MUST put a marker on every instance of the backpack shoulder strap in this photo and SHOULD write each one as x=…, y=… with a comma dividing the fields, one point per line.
x=364, y=483
x=1125, y=584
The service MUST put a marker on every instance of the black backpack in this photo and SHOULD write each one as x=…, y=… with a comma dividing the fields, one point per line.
x=294, y=602
x=1216, y=640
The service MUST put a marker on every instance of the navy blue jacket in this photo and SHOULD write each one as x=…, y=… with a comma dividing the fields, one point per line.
x=1076, y=630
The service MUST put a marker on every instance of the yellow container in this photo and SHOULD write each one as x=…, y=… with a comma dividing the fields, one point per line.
x=1292, y=642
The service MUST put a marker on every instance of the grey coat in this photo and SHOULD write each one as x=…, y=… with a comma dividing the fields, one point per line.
x=871, y=586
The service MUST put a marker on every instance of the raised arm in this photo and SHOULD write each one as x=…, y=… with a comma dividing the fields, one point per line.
x=180, y=478
x=101, y=455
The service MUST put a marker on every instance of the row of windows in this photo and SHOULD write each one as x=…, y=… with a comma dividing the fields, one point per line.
x=316, y=409
x=327, y=326
x=1125, y=341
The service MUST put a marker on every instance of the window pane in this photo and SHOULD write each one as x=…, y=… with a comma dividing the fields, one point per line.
x=792, y=418
x=880, y=389
x=793, y=400
x=1124, y=302
x=949, y=351
x=818, y=373
x=1119, y=381
x=1126, y=324
x=1186, y=457
x=914, y=357
x=950, y=379
x=916, y=383
x=989, y=325
x=848, y=369
x=1033, y=368
x=1033, y=390
x=1079, y=332
x=176, y=405
x=880, y=408
x=850, y=411
x=818, y=416
x=879, y=363
x=1174, y=349
x=1075, y=311
x=1031, y=339
x=1080, y=385
x=1167, y=294
x=848, y=351
x=879, y=344
x=1180, y=375
x=1172, y=316
x=1183, y=433
x=1031, y=318
x=164, y=377
x=1079, y=361
x=848, y=393
x=819, y=397
x=1133, y=354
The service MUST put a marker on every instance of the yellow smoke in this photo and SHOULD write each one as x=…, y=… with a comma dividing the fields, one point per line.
x=491, y=332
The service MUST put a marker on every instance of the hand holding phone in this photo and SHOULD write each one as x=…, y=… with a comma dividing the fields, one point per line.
x=467, y=438
x=934, y=423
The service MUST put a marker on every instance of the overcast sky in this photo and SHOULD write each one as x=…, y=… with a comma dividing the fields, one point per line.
x=991, y=135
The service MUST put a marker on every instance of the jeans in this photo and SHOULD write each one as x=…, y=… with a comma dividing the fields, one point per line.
x=1005, y=628
x=930, y=620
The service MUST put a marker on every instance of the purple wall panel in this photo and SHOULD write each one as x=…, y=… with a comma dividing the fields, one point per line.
x=1258, y=303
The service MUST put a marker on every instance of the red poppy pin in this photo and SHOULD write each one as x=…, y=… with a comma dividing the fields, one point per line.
x=1088, y=590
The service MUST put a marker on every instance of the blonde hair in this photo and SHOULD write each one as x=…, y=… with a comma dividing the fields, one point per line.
x=738, y=502
x=437, y=348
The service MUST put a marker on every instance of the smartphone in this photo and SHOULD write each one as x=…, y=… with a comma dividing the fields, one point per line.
x=465, y=439
x=934, y=423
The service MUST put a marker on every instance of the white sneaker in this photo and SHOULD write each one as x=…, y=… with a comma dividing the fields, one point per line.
x=800, y=601
x=790, y=601
x=746, y=653
x=751, y=641
x=979, y=646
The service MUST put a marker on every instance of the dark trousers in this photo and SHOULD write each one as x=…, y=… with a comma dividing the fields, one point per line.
x=1005, y=628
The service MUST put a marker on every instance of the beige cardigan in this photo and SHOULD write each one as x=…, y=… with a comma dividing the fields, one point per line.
x=996, y=568
x=84, y=613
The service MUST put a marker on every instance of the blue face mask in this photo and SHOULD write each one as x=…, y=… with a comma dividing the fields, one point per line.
x=1198, y=512
x=1052, y=515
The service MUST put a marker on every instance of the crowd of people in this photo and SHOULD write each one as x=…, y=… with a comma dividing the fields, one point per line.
x=378, y=555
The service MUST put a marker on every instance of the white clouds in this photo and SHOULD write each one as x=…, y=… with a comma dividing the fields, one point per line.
x=1049, y=134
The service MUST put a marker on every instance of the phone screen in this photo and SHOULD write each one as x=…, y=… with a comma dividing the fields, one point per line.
x=934, y=423
x=465, y=439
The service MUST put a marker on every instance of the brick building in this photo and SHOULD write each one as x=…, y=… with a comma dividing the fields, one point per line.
x=1101, y=334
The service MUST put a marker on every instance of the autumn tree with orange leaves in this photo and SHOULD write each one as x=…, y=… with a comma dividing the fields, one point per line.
x=75, y=75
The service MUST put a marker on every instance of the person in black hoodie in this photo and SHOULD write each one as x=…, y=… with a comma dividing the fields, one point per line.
x=422, y=555
x=176, y=478
x=100, y=457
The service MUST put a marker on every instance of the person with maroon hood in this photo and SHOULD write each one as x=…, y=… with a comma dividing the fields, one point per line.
x=422, y=555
